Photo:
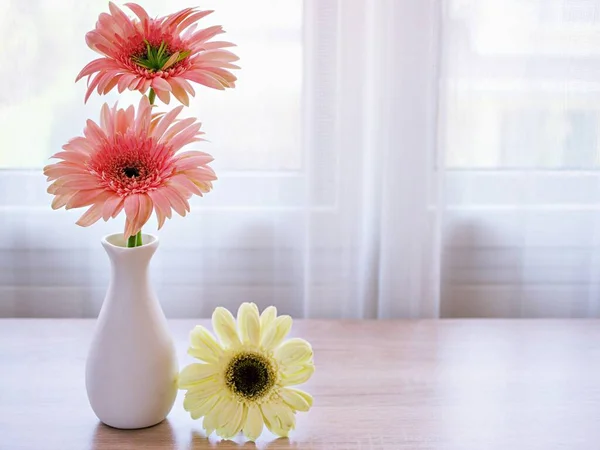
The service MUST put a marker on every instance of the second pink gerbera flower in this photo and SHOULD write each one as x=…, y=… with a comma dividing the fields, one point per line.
x=162, y=54
x=131, y=162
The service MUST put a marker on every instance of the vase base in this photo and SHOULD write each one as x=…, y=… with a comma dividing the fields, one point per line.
x=129, y=427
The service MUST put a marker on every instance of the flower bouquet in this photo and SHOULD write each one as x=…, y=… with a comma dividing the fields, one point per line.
x=132, y=161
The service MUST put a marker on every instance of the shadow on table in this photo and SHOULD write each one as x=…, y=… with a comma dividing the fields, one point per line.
x=159, y=436
x=200, y=441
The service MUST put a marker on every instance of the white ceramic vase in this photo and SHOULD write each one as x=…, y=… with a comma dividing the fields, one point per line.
x=131, y=371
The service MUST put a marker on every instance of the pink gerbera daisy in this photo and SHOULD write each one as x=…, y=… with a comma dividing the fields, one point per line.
x=162, y=54
x=131, y=162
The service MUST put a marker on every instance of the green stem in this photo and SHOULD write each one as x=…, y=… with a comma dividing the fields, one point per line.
x=135, y=240
x=131, y=241
x=152, y=96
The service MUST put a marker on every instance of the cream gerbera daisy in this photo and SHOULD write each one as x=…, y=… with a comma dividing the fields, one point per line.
x=245, y=380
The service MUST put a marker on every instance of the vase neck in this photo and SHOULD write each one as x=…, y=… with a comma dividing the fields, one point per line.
x=130, y=265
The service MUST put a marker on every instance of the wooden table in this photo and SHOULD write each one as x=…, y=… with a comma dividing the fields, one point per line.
x=460, y=384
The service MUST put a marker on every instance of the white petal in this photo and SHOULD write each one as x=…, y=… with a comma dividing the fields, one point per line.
x=287, y=418
x=296, y=399
x=201, y=409
x=266, y=318
x=224, y=325
x=294, y=351
x=226, y=414
x=195, y=374
x=210, y=420
x=298, y=377
x=249, y=323
x=234, y=422
x=254, y=423
x=200, y=393
x=204, y=346
x=276, y=332
x=279, y=418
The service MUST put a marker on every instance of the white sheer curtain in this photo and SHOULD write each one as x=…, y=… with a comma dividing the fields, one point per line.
x=521, y=138
x=379, y=159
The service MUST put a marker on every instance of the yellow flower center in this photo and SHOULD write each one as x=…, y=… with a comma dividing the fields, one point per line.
x=250, y=375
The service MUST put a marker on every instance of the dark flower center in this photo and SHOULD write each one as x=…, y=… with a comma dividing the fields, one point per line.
x=131, y=172
x=249, y=375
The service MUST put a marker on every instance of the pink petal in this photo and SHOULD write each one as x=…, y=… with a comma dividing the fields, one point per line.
x=95, y=40
x=111, y=205
x=129, y=229
x=84, y=198
x=206, y=34
x=217, y=44
x=111, y=84
x=105, y=77
x=79, y=144
x=125, y=81
x=209, y=64
x=193, y=162
x=175, y=19
x=61, y=200
x=166, y=120
x=120, y=207
x=204, y=186
x=93, y=132
x=201, y=174
x=185, y=137
x=106, y=121
x=223, y=74
x=95, y=66
x=204, y=79
x=219, y=55
x=164, y=96
x=138, y=11
x=145, y=211
x=132, y=206
x=183, y=183
x=74, y=157
x=86, y=182
x=177, y=128
x=144, y=87
x=121, y=121
x=130, y=115
x=56, y=171
x=176, y=199
x=108, y=26
x=120, y=17
x=54, y=187
x=161, y=203
x=91, y=216
x=135, y=83
x=160, y=217
x=191, y=19
x=92, y=86
x=179, y=92
x=186, y=85
x=144, y=114
x=160, y=84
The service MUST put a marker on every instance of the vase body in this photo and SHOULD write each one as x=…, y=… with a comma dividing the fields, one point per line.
x=131, y=370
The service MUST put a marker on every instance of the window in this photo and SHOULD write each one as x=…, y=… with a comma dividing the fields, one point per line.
x=51, y=267
x=521, y=122
x=254, y=127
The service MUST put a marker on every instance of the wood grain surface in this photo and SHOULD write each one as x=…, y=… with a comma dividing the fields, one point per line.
x=450, y=384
